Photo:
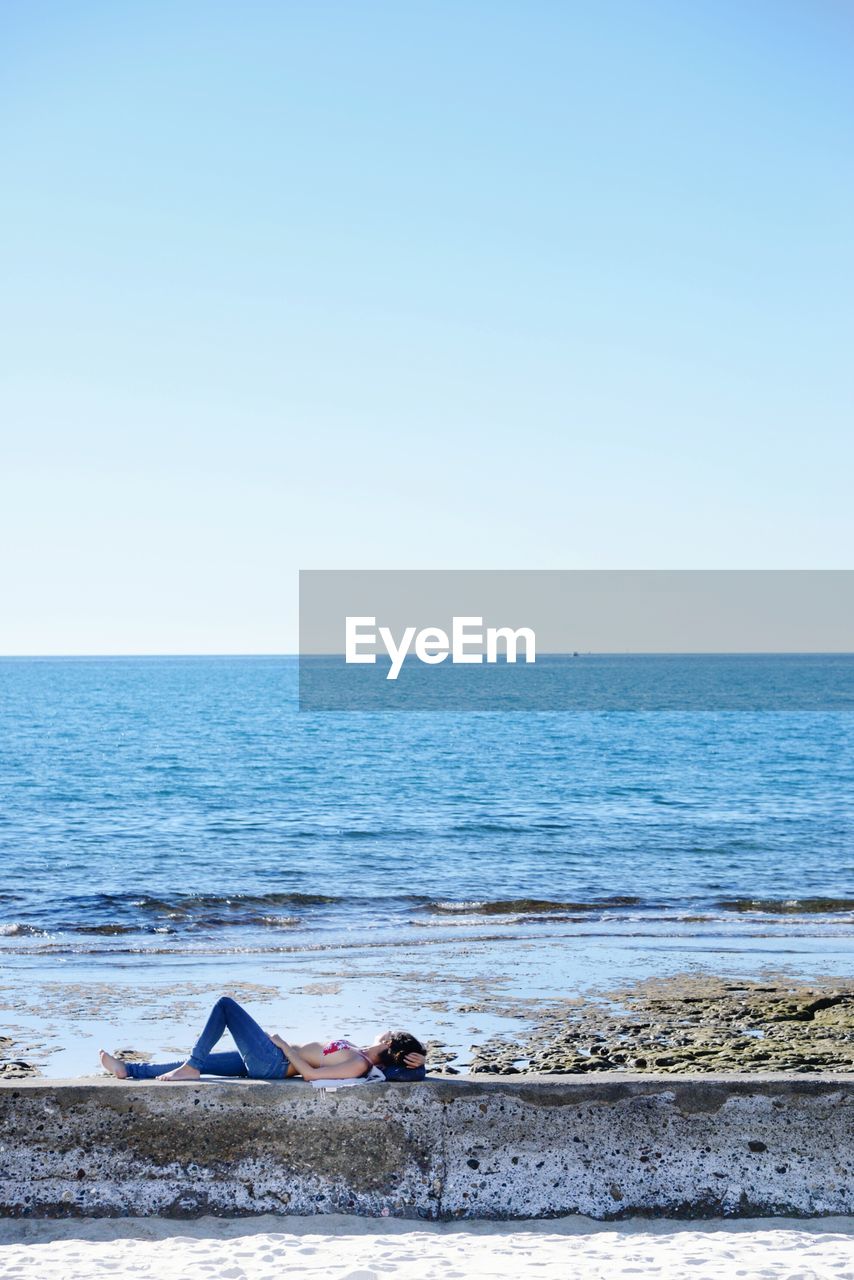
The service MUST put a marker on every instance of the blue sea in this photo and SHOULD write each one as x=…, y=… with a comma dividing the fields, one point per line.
x=176, y=828
x=163, y=806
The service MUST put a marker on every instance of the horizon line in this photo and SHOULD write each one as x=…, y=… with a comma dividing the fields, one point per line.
x=545, y=653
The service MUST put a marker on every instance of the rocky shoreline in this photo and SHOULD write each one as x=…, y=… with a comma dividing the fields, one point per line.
x=681, y=1023
x=687, y=1023
x=12, y=1068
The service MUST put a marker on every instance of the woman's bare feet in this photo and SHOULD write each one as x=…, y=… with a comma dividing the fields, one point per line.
x=115, y=1066
x=185, y=1072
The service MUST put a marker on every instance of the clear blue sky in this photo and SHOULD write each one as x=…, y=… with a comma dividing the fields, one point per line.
x=450, y=285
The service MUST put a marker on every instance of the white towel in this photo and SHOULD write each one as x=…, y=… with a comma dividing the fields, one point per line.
x=374, y=1076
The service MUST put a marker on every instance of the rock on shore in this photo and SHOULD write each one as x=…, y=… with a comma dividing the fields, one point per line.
x=689, y=1023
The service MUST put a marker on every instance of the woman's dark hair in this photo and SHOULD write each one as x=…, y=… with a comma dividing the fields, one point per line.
x=400, y=1045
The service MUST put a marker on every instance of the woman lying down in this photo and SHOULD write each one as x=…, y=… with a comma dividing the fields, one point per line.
x=396, y=1055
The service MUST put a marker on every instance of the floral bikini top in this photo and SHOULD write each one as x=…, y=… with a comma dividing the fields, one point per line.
x=335, y=1045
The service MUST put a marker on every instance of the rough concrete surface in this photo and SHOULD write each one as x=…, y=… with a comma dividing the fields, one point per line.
x=689, y=1146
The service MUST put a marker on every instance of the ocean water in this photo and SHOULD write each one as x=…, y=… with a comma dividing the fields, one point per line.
x=171, y=807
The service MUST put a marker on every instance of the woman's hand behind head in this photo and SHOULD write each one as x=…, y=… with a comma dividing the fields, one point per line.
x=402, y=1049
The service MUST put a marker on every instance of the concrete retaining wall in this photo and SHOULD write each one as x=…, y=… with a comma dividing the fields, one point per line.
x=698, y=1146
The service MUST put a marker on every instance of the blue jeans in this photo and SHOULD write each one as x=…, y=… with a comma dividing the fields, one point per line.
x=258, y=1058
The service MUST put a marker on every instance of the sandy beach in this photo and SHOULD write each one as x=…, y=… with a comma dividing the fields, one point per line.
x=344, y=1248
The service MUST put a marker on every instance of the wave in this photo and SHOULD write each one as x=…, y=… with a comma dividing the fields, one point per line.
x=192, y=915
x=530, y=906
x=520, y=931
x=228, y=901
x=19, y=929
x=125, y=913
x=787, y=906
x=534, y=907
